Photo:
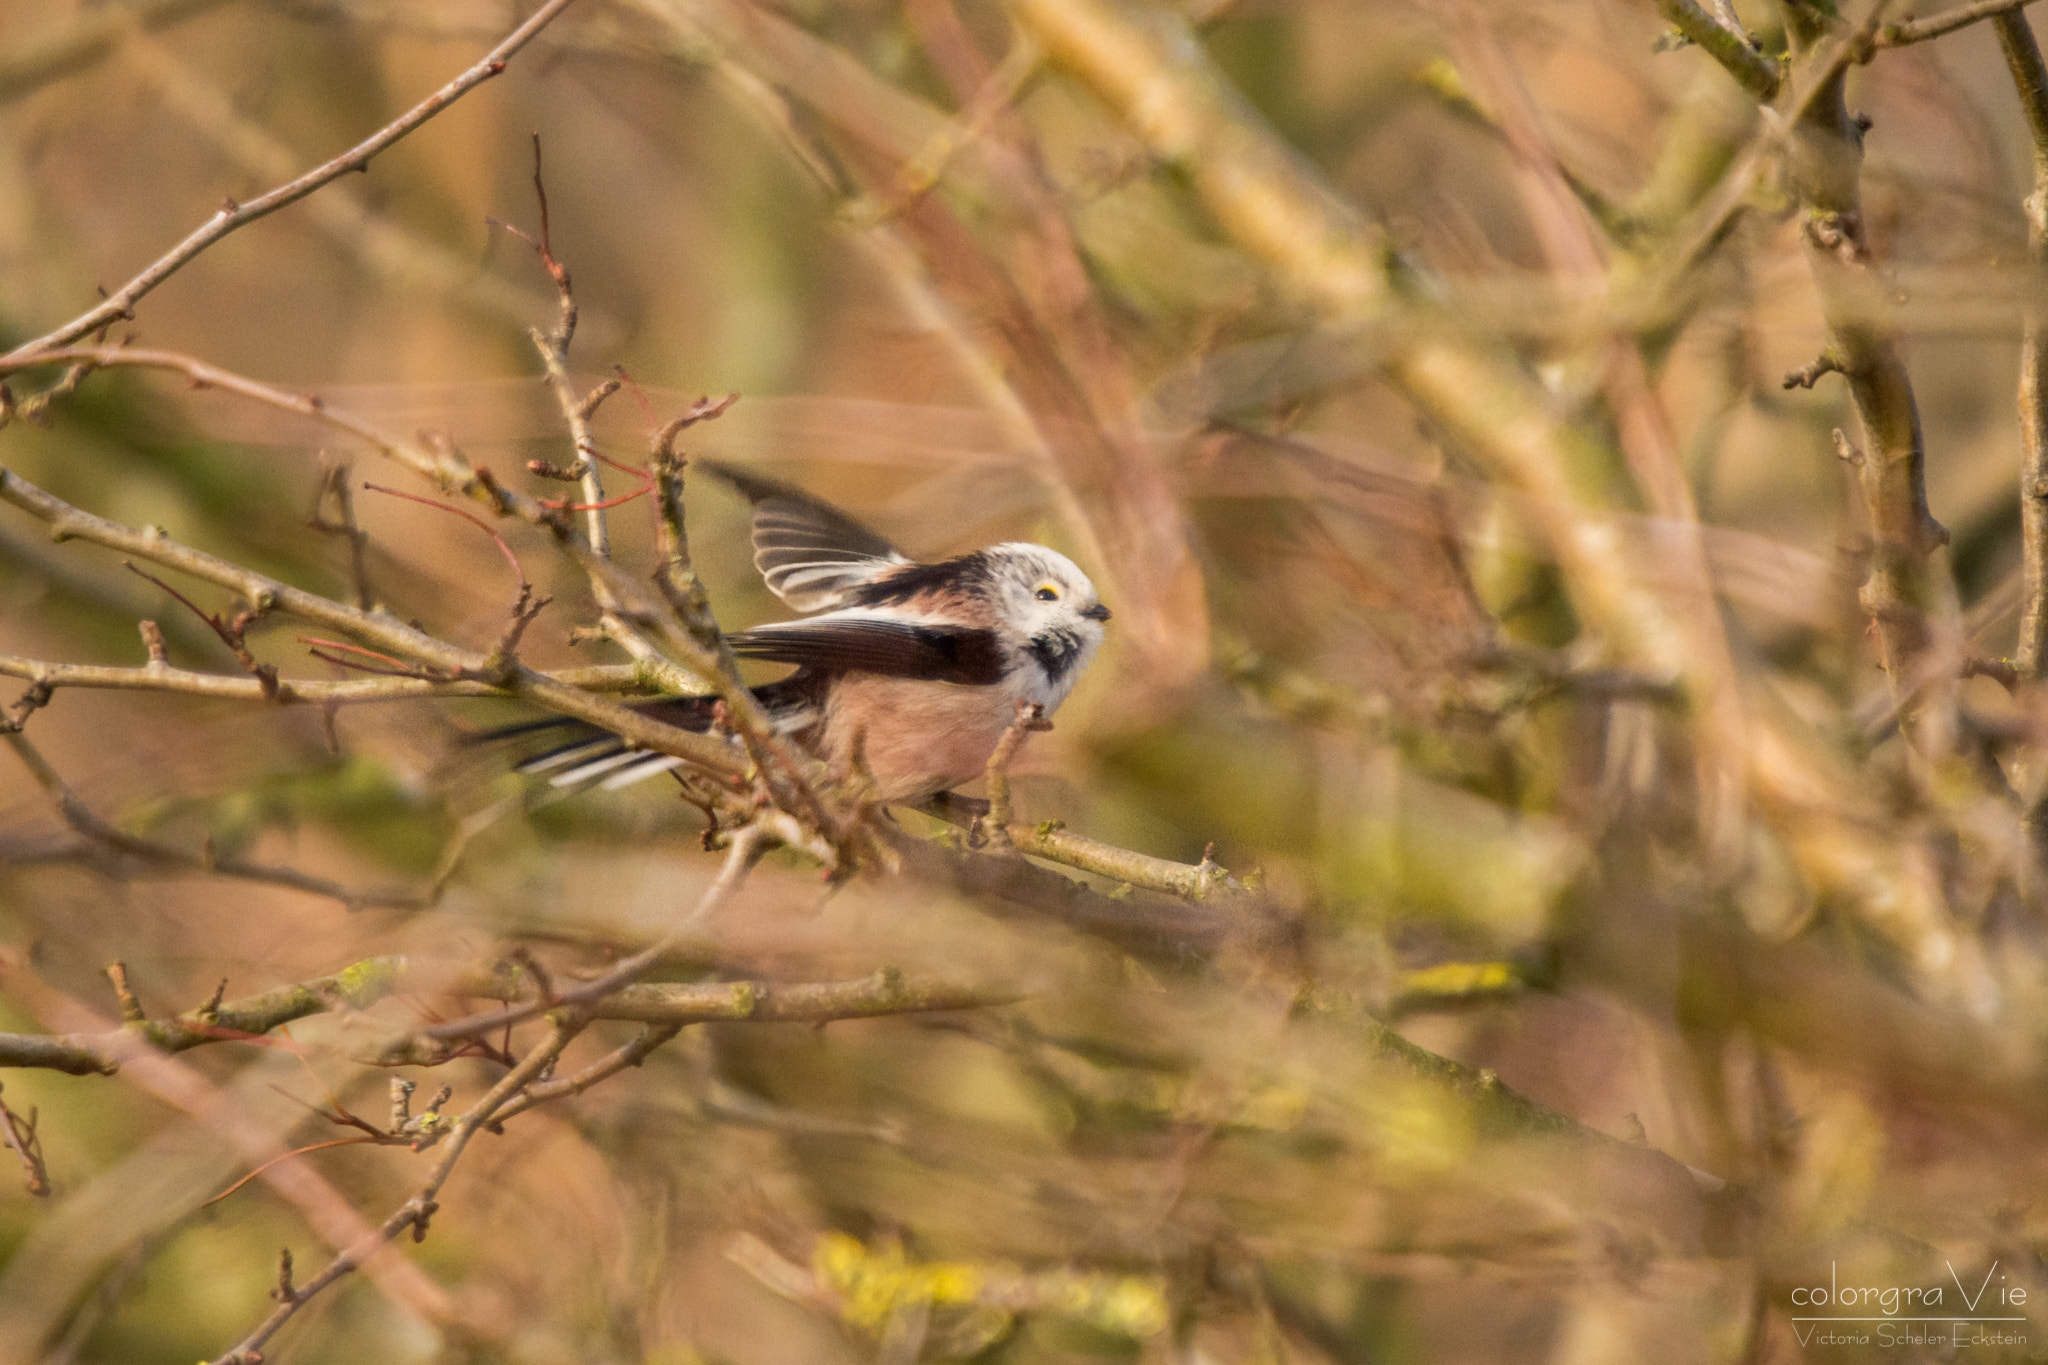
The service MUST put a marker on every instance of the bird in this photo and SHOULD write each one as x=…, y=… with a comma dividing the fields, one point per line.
x=906, y=672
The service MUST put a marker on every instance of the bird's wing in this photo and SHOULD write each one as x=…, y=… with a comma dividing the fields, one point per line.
x=812, y=554
x=870, y=643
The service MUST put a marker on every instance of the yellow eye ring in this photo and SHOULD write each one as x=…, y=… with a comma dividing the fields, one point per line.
x=1046, y=592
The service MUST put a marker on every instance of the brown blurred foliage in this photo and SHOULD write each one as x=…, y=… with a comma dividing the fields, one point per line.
x=1603, y=714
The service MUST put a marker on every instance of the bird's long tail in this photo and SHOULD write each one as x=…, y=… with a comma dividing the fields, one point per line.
x=589, y=755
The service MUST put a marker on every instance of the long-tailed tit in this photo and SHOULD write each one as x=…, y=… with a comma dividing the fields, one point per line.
x=912, y=670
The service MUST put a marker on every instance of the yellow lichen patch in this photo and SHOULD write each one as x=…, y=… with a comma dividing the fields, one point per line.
x=875, y=1284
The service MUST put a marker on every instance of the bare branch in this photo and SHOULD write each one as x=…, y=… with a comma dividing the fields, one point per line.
x=1908, y=594
x=674, y=574
x=417, y=1212
x=2030, y=82
x=497, y=672
x=121, y=303
x=362, y=984
x=80, y=1054
x=299, y=691
x=26, y=1142
x=1030, y=720
x=622, y=1058
x=748, y=844
x=1909, y=31
x=1756, y=73
x=335, y=484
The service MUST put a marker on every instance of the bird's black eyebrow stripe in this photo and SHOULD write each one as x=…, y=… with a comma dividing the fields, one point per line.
x=1056, y=650
x=896, y=649
x=969, y=573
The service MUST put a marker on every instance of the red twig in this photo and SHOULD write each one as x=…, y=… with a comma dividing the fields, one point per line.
x=286, y=1156
x=564, y=505
x=478, y=522
x=400, y=669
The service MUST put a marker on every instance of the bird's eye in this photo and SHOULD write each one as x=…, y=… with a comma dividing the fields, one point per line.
x=1047, y=593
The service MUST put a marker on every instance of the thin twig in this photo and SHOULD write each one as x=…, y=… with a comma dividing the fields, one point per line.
x=1909, y=31
x=231, y=215
x=416, y=1213
x=634, y=726
x=748, y=843
x=1756, y=73
x=24, y=1139
x=335, y=484
x=625, y=1056
x=996, y=829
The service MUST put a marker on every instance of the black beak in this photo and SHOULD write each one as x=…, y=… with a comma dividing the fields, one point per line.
x=1098, y=612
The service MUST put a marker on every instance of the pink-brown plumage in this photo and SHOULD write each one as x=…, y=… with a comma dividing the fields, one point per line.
x=915, y=738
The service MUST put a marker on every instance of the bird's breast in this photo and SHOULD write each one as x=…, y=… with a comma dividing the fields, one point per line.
x=916, y=738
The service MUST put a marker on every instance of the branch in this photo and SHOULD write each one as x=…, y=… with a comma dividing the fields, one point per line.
x=1051, y=840
x=416, y=1213
x=121, y=303
x=1753, y=71
x=622, y=1058
x=431, y=1044
x=786, y=777
x=626, y=602
x=302, y=691
x=664, y=1005
x=1169, y=930
x=435, y=461
x=1907, y=594
x=2030, y=81
x=1909, y=31
x=335, y=484
x=456, y=664
x=674, y=574
x=26, y=1143
x=355, y=987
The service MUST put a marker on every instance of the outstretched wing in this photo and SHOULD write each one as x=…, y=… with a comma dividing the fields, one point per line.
x=860, y=642
x=813, y=555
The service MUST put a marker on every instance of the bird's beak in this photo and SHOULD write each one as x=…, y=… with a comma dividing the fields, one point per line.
x=1098, y=612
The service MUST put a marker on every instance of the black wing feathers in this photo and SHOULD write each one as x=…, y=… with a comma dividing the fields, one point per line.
x=898, y=649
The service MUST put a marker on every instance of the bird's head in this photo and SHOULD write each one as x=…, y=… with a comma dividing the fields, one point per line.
x=1046, y=605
